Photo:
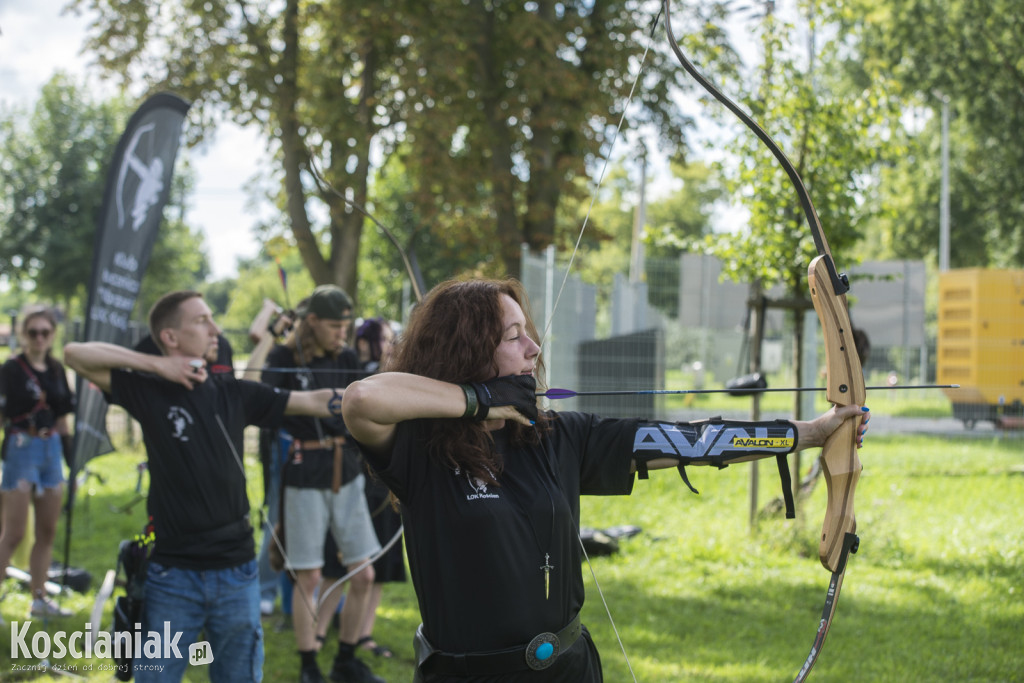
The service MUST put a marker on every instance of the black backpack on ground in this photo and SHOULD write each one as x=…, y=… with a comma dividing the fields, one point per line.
x=133, y=557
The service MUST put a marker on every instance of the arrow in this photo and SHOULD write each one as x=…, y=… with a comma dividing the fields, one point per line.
x=569, y=393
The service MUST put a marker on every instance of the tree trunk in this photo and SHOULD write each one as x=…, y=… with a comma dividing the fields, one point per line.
x=294, y=151
x=346, y=223
x=502, y=179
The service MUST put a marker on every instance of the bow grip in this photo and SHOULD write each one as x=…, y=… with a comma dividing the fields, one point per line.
x=844, y=386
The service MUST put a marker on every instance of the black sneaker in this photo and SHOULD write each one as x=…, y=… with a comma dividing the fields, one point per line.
x=312, y=675
x=353, y=670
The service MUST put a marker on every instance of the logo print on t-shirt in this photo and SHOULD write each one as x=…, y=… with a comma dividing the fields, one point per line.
x=180, y=421
x=33, y=389
x=478, y=485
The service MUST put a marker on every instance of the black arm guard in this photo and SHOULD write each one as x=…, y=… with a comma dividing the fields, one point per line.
x=715, y=442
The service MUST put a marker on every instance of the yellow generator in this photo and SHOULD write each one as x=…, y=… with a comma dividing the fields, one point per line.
x=981, y=344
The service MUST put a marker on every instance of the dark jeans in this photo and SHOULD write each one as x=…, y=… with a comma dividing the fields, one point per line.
x=223, y=605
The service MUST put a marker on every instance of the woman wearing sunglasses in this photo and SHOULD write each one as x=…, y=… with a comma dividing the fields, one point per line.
x=35, y=400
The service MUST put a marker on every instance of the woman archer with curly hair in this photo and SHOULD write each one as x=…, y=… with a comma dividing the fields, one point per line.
x=490, y=486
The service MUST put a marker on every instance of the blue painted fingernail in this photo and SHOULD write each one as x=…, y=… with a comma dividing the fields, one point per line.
x=865, y=409
x=532, y=422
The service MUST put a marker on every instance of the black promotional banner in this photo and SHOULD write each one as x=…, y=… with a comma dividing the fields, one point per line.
x=138, y=185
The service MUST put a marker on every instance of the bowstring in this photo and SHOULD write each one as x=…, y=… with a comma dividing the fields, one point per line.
x=306, y=599
x=607, y=610
x=565, y=279
x=311, y=605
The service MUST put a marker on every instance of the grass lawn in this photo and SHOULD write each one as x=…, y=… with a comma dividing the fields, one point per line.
x=935, y=593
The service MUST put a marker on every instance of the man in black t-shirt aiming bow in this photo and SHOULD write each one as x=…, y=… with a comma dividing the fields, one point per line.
x=202, y=575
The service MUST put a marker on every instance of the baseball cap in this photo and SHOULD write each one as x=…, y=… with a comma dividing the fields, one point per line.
x=329, y=302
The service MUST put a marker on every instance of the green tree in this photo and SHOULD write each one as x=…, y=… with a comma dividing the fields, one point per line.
x=52, y=177
x=494, y=107
x=53, y=170
x=835, y=133
x=969, y=51
x=536, y=91
x=314, y=78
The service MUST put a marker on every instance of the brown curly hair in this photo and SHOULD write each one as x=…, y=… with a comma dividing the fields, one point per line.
x=452, y=336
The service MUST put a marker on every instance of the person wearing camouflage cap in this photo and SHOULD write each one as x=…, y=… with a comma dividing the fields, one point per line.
x=323, y=483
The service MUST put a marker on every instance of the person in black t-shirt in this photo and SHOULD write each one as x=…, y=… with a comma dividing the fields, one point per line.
x=374, y=341
x=202, y=573
x=490, y=486
x=35, y=400
x=323, y=484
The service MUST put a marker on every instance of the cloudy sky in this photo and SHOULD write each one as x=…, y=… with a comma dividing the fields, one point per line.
x=38, y=39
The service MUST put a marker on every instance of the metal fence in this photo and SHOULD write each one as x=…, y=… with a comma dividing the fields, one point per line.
x=681, y=327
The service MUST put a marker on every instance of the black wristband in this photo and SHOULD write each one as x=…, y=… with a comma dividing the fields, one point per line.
x=471, y=402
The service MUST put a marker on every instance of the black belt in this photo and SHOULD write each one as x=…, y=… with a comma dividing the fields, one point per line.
x=541, y=653
x=230, y=531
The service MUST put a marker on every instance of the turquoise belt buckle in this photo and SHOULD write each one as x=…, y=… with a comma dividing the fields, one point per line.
x=542, y=651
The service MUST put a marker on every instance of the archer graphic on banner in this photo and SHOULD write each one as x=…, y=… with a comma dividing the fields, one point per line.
x=151, y=183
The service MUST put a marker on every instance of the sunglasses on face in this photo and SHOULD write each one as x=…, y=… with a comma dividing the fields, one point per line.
x=39, y=333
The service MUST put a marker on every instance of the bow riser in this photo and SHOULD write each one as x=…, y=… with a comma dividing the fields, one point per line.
x=842, y=468
x=845, y=386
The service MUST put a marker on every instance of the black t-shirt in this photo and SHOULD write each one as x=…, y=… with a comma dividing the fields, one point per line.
x=476, y=550
x=315, y=468
x=21, y=388
x=197, y=496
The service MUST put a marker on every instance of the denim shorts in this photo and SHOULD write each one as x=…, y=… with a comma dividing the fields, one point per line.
x=308, y=513
x=222, y=604
x=40, y=462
